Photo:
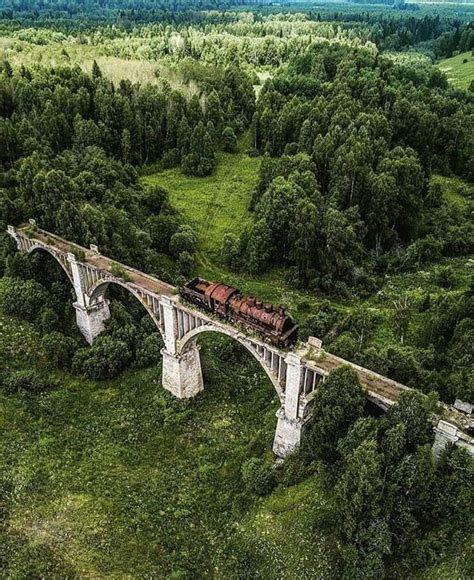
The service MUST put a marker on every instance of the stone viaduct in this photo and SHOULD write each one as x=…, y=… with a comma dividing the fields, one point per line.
x=295, y=374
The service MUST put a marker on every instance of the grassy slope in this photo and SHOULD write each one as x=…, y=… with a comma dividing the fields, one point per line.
x=460, y=73
x=216, y=205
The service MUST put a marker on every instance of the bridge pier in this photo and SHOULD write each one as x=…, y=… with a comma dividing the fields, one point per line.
x=181, y=373
x=287, y=435
x=290, y=423
x=91, y=319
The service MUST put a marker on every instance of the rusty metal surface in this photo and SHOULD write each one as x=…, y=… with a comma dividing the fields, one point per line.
x=220, y=292
x=227, y=301
x=264, y=313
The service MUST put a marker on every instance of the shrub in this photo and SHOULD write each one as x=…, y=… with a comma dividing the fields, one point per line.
x=184, y=240
x=446, y=277
x=294, y=470
x=106, y=358
x=59, y=349
x=119, y=271
x=345, y=346
x=149, y=352
x=48, y=320
x=185, y=263
x=258, y=476
x=22, y=298
x=230, y=250
x=29, y=381
x=321, y=323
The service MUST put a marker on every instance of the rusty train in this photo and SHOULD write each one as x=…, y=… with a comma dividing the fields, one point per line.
x=274, y=325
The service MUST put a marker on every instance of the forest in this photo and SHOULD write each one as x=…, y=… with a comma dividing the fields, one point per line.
x=314, y=155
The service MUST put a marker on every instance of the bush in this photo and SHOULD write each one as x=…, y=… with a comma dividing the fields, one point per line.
x=184, y=240
x=185, y=263
x=22, y=298
x=446, y=277
x=230, y=250
x=321, y=323
x=59, y=349
x=295, y=469
x=149, y=352
x=345, y=346
x=119, y=271
x=229, y=140
x=106, y=358
x=258, y=476
x=29, y=381
x=48, y=320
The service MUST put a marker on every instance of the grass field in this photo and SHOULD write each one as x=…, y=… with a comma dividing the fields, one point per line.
x=216, y=204
x=459, y=72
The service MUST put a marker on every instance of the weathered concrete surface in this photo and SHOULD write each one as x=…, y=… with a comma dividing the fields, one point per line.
x=448, y=434
x=182, y=375
x=91, y=319
x=287, y=435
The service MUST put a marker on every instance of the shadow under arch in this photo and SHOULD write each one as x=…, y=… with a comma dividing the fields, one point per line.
x=39, y=249
x=190, y=339
x=97, y=294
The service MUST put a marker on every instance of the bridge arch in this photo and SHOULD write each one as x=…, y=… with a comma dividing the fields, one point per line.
x=38, y=248
x=98, y=290
x=189, y=340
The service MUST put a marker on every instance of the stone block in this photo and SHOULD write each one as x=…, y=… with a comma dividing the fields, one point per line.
x=315, y=342
x=463, y=406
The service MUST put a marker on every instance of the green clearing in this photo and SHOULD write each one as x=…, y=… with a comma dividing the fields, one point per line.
x=119, y=479
x=216, y=204
x=459, y=69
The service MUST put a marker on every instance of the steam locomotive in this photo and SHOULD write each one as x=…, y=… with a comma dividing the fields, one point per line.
x=225, y=301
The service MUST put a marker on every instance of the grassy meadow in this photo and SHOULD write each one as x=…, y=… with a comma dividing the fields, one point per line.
x=459, y=69
x=213, y=205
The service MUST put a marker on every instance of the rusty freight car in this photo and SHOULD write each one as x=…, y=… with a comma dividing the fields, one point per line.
x=273, y=324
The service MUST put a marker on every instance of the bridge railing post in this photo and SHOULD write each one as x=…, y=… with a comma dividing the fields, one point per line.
x=290, y=424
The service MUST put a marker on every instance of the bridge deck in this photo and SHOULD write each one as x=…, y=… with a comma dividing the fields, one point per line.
x=383, y=389
x=102, y=262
